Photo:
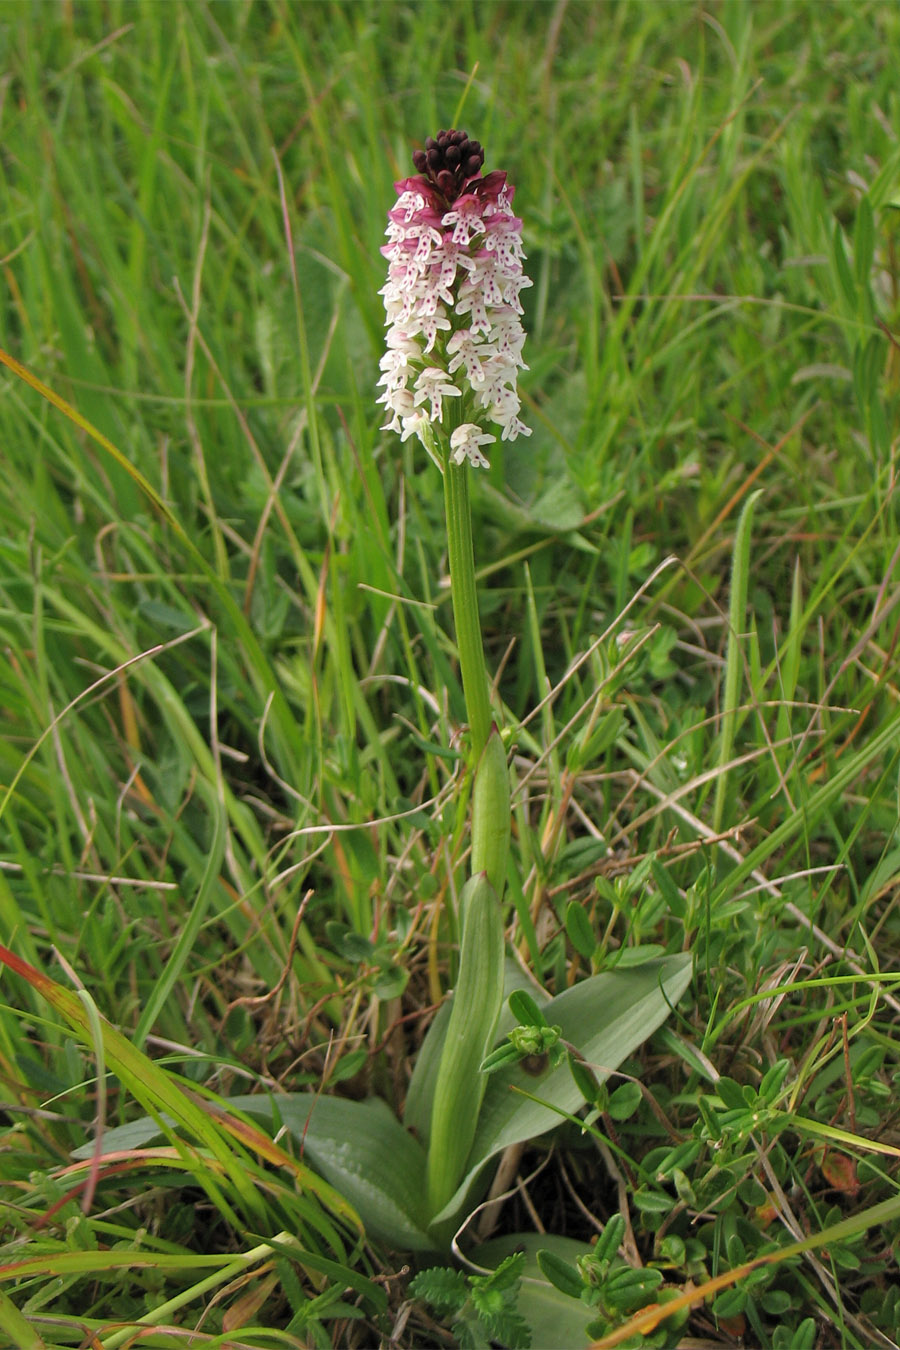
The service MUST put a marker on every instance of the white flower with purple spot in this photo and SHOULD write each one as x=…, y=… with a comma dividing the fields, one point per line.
x=452, y=300
x=466, y=442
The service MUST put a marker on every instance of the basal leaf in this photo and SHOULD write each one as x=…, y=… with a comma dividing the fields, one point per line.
x=606, y=1017
x=366, y=1154
x=419, y=1098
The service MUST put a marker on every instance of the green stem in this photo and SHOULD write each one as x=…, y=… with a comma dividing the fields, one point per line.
x=478, y=996
x=465, y=601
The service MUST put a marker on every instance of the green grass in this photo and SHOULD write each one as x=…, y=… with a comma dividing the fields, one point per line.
x=222, y=713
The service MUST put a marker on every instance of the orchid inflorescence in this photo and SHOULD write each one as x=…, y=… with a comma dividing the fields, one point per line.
x=452, y=300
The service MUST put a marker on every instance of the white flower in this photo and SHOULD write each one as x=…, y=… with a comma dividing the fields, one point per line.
x=465, y=350
x=508, y=336
x=466, y=221
x=432, y=386
x=401, y=403
x=466, y=442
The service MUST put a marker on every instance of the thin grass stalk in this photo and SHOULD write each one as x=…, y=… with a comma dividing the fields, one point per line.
x=734, y=664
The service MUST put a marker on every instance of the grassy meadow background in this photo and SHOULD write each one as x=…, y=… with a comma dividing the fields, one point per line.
x=228, y=817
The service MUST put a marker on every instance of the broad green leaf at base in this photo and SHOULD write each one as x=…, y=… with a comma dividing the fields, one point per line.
x=606, y=1018
x=366, y=1154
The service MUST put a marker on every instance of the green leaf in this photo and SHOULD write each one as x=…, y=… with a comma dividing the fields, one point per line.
x=506, y=1276
x=366, y=1154
x=419, y=1098
x=596, y=743
x=502, y=1323
x=560, y=508
x=499, y=1058
x=192, y=921
x=842, y=267
x=776, y=1302
x=772, y=1080
x=525, y=1010
x=348, y=1065
x=391, y=981
x=802, y=1337
x=163, y=616
x=667, y=1161
x=610, y=1240
x=148, y=1083
x=351, y=946
x=630, y=957
x=627, y=1288
x=445, y=1289
x=586, y=1082
x=625, y=1101
x=18, y=1329
x=652, y=1202
x=579, y=930
x=868, y=363
x=730, y=1094
x=734, y=658
x=667, y=888
x=882, y=739
x=863, y=241
x=359, y=1147
x=554, y=1318
x=561, y=1274
x=607, y=1017
x=731, y=1303
x=470, y=1035
x=490, y=816
x=470, y=1335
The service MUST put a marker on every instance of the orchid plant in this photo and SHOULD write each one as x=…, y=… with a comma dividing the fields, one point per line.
x=454, y=349
x=449, y=377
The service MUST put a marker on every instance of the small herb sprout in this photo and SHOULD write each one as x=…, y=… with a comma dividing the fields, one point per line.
x=605, y=1282
x=482, y=1307
x=533, y=1037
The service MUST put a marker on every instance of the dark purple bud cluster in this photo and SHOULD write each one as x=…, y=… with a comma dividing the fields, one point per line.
x=448, y=161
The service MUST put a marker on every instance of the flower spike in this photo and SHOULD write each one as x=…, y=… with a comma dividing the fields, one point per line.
x=452, y=300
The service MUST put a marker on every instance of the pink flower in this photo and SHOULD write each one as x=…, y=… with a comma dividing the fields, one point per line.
x=452, y=303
